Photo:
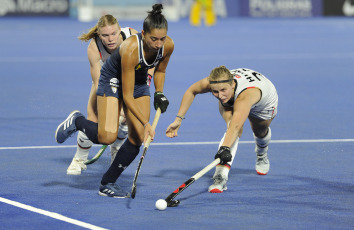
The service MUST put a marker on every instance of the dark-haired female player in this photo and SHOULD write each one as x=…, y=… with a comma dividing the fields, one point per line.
x=124, y=83
x=105, y=37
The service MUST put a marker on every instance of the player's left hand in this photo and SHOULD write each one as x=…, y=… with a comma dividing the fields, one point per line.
x=172, y=129
x=224, y=154
x=160, y=101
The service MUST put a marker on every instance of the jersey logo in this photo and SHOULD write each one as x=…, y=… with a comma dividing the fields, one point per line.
x=138, y=67
x=114, y=84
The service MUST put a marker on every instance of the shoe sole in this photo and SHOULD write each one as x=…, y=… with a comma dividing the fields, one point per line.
x=215, y=190
x=74, y=173
x=262, y=174
x=56, y=131
x=104, y=194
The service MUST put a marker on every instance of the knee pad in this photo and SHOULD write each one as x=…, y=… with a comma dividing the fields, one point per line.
x=83, y=141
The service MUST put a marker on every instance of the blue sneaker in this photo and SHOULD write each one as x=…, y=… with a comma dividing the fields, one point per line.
x=67, y=128
x=113, y=190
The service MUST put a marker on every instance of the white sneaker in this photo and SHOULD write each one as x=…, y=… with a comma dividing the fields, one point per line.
x=262, y=164
x=219, y=184
x=76, y=166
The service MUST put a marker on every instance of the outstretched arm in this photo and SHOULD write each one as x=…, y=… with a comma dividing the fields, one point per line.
x=242, y=108
x=199, y=87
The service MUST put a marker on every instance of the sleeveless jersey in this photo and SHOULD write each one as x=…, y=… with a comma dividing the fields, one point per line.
x=247, y=78
x=104, y=53
x=112, y=67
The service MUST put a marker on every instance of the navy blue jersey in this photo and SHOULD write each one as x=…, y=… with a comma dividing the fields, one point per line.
x=110, y=82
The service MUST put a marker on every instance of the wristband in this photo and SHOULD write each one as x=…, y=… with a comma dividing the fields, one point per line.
x=182, y=118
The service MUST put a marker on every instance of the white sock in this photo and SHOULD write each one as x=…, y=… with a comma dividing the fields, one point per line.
x=262, y=143
x=117, y=144
x=83, y=146
x=224, y=169
x=123, y=128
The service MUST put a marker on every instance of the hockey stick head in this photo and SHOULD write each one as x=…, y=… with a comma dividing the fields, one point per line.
x=173, y=203
x=133, y=192
x=98, y=155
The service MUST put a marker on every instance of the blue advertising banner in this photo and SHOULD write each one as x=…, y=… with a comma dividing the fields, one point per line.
x=281, y=8
x=34, y=8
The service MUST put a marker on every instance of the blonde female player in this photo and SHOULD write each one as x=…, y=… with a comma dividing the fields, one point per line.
x=124, y=83
x=241, y=93
x=104, y=38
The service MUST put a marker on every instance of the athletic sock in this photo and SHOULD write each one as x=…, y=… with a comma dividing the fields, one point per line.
x=125, y=156
x=90, y=128
x=83, y=146
x=225, y=169
x=233, y=149
x=262, y=143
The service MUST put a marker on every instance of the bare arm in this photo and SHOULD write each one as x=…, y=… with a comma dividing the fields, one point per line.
x=160, y=70
x=94, y=59
x=242, y=108
x=199, y=87
x=129, y=55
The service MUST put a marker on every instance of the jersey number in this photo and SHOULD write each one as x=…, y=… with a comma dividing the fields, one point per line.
x=255, y=75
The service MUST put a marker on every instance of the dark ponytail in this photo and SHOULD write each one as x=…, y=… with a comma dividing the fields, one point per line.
x=155, y=19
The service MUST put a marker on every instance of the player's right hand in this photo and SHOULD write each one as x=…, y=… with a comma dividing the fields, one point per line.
x=172, y=130
x=224, y=154
x=148, y=131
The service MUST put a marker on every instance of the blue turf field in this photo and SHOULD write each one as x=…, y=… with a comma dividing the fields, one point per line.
x=45, y=75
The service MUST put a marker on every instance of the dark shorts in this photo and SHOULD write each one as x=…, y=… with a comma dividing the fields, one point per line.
x=111, y=88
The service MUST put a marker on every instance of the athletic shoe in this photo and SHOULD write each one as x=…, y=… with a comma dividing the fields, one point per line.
x=262, y=164
x=67, y=128
x=76, y=166
x=113, y=190
x=219, y=184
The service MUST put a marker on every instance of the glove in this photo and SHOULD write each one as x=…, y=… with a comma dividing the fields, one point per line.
x=224, y=154
x=160, y=101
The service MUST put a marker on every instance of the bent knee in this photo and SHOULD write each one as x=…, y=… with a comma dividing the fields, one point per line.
x=261, y=133
x=107, y=138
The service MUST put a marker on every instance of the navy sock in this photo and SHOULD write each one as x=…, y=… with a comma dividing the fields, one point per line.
x=90, y=128
x=124, y=157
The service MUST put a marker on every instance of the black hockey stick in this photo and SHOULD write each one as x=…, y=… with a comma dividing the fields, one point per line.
x=146, y=146
x=174, y=203
x=98, y=155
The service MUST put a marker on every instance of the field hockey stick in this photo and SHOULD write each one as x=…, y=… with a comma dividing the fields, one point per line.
x=146, y=146
x=98, y=155
x=174, y=203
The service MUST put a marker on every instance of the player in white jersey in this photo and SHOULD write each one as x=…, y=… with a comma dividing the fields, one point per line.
x=105, y=37
x=242, y=94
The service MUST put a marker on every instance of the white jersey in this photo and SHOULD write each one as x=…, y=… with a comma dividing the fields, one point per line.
x=266, y=107
x=104, y=53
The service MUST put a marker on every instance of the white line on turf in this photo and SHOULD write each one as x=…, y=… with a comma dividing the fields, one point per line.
x=195, y=143
x=51, y=214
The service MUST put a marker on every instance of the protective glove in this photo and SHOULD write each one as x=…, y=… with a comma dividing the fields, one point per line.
x=224, y=154
x=160, y=101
